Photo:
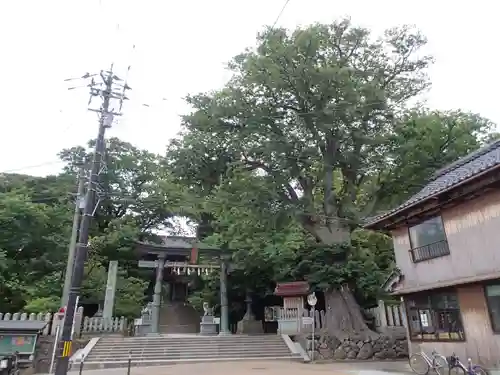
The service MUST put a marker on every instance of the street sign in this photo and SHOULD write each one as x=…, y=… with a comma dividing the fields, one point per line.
x=312, y=300
x=307, y=320
x=61, y=313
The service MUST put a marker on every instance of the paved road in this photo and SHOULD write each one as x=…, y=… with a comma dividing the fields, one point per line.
x=262, y=368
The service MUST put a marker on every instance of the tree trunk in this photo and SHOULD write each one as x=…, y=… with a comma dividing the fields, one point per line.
x=343, y=313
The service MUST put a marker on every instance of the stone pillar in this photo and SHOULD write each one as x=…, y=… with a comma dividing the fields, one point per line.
x=78, y=322
x=155, y=324
x=382, y=315
x=248, y=325
x=248, y=314
x=109, y=298
x=413, y=347
x=224, y=308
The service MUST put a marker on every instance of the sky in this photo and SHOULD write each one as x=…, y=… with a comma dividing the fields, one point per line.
x=180, y=47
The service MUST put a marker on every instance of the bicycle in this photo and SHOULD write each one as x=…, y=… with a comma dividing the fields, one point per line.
x=458, y=368
x=421, y=363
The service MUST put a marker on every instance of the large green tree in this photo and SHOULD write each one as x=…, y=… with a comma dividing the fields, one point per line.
x=321, y=114
x=32, y=241
x=136, y=198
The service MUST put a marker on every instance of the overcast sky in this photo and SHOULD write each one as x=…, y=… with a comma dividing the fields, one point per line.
x=181, y=47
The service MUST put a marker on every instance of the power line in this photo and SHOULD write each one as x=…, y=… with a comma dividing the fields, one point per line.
x=33, y=166
x=120, y=198
x=328, y=111
x=53, y=162
x=280, y=14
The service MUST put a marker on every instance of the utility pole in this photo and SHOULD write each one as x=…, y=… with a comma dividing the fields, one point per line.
x=106, y=91
x=74, y=235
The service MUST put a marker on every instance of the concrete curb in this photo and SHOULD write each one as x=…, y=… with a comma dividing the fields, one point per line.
x=76, y=357
x=295, y=348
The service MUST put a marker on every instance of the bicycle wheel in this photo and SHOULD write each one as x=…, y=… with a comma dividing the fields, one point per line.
x=478, y=370
x=457, y=370
x=419, y=364
x=440, y=364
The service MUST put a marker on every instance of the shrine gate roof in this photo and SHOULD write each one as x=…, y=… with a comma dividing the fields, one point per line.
x=177, y=245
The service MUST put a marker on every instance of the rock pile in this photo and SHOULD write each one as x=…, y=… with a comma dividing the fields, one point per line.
x=382, y=347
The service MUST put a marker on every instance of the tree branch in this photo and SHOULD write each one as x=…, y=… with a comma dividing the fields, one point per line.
x=292, y=194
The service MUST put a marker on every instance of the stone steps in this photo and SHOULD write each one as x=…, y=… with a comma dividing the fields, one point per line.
x=109, y=354
x=201, y=340
x=179, y=351
x=190, y=355
x=133, y=351
x=160, y=350
x=191, y=337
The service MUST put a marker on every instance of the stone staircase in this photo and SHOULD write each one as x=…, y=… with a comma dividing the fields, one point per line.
x=167, y=349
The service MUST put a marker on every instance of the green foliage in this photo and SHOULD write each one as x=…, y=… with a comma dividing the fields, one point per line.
x=362, y=265
x=207, y=290
x=307, y=104
x=251, y=220
x=36, y=218
x=130, y=297
x=312, y=134
x=43, y=304
x=32, y=240
x=425, y=141
x=318, y=112
x=131, y=185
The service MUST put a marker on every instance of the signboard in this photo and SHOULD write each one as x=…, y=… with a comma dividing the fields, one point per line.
x=312, y=300
x=22, y=343
x=61, y=313
x=306, y=320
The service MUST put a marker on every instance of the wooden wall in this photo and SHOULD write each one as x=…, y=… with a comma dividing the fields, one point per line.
x=481, y=344
x=473, y=233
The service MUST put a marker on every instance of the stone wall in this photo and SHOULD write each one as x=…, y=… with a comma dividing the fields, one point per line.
x=43, y=353
x=354, y=348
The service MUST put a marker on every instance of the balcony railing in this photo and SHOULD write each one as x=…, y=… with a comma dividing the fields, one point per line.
x=431, y=251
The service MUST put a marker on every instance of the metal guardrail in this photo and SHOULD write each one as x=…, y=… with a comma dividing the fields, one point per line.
x=431, y=251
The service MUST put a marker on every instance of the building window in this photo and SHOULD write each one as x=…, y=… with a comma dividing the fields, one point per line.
x=493, y=300
x=434, y=316
x=428, y=240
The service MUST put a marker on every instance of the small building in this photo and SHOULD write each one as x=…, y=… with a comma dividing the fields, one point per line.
x=447, y=249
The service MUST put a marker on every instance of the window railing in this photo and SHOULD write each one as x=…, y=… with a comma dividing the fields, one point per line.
x=431, y=251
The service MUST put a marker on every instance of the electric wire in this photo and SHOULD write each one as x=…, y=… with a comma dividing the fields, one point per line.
x=33, y=166
x=331, y=110
x=155, y=199
x=280, y=14
x=121, y=198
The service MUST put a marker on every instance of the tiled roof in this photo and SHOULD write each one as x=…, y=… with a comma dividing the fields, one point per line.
x=294, y=288
x=22, y=325
x=443, y=180
x=178, y=242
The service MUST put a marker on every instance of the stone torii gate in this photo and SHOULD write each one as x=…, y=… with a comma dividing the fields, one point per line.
x=180, y=256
